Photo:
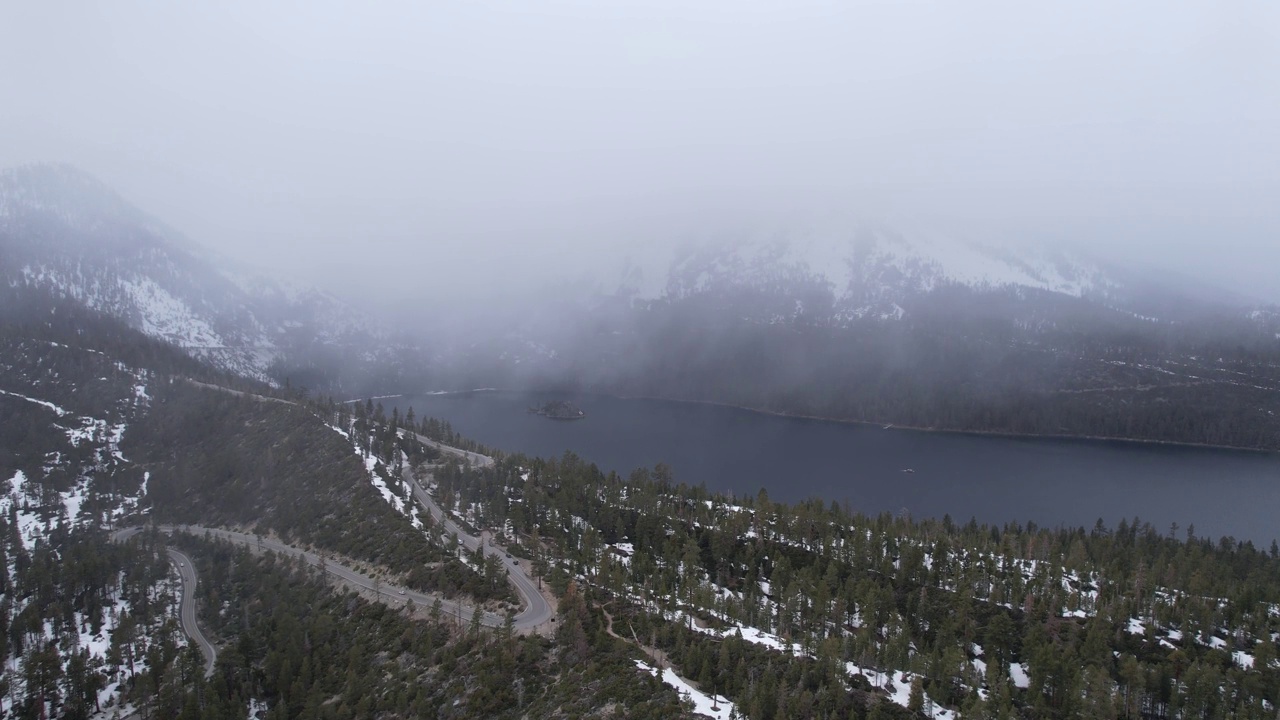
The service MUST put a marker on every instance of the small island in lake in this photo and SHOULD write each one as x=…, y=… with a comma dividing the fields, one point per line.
x=559, y=410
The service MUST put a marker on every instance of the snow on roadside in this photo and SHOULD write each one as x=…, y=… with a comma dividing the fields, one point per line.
x=718, y=708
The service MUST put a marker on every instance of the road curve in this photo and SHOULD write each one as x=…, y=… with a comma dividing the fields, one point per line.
x=187, y=570
x=386, y=591
x=474, y=458
x=536, y=608
x=187, y=606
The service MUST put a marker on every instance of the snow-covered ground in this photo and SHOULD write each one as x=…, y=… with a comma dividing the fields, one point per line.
x=898, y=685
x=405, y=506
x=718, y=708
x=94, y=634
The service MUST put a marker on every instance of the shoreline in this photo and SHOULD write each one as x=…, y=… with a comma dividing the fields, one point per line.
x=872, y=423
x=951, y=431
x=371, y=398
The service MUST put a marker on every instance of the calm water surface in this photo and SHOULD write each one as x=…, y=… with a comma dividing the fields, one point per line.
x=996, y=480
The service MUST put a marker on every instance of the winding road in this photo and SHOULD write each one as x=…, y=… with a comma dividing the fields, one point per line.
x=536, y=611
x=474, y=458
x=187, y=606
x=536, y=608
x=534, y=614
x=187, y=570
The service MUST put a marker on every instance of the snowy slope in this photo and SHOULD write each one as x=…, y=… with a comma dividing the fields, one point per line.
x=64, y=232
x=877, y=264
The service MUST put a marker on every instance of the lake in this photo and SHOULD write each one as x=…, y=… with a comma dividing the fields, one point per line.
x=994, y=479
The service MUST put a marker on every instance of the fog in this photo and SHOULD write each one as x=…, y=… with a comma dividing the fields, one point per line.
x=465, y=150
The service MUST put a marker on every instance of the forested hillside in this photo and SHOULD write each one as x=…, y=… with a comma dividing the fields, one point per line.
x=104, y=428
x=814, y=611
x=306, y=651
x=671, y=600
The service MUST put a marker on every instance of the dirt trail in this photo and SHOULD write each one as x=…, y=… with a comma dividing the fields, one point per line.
x=656, y=656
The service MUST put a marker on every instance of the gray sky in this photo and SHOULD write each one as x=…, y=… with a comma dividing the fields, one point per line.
x=377, y=143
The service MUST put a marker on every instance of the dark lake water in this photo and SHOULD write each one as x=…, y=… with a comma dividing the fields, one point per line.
x=996, y=480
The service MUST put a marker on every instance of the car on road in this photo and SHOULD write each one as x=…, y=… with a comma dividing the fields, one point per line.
x=401, y=592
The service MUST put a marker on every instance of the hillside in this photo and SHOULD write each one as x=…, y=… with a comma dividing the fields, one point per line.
x=65, y=233
x=671, y=601
x=104, y=428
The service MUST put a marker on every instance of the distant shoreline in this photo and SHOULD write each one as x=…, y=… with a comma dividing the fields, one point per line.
x=371, y=398
x=872, y=423
x=952, y=431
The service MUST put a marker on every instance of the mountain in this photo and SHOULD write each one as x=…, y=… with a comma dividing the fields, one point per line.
x=65, y=232
x=670, y=601
x=106, y=434
x=860, y=271
x=917, y=330
x=871, y=271
x=851, y=323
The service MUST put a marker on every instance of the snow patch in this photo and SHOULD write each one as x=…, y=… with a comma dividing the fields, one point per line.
x=1018, y=673
x=718, y=708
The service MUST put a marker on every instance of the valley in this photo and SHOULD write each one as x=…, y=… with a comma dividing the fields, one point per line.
x=453, y=554
x=639, y=361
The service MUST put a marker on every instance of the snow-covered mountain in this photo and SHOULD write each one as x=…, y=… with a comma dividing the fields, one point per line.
x=883, y=261
x=841, y=275
x=65, y=232
x=844, y=272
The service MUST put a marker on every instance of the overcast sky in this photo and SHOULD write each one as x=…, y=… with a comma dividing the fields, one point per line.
x=381, y=142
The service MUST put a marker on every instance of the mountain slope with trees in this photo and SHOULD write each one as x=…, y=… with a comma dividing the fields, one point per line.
x=106, y=427
x=811, y=610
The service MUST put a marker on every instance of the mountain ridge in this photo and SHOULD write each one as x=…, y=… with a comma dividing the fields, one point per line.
x=1008, y=344
x=66, y=231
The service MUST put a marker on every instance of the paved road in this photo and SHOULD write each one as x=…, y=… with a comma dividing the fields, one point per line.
x=537, y=611
x=474, y=458
x=240, y=393
x=386, y=591
x=187, y=570
x=187, y=607
x=536, y=608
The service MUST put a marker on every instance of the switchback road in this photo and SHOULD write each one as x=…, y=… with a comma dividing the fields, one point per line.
x=385, y=591
x=536, y=608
